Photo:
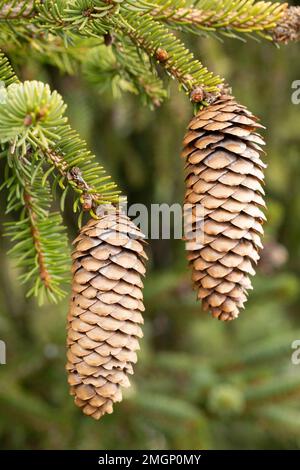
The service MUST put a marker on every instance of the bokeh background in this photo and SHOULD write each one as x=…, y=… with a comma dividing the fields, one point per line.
x=199, y=383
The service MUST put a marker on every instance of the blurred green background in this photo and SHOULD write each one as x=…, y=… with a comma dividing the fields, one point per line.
x=199, y=383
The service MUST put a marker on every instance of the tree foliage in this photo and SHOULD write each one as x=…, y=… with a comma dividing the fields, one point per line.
x=199, y=384
x=117, y=44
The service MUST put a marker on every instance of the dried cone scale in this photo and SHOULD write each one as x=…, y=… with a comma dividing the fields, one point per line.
x=104, y=321
x=224, y=195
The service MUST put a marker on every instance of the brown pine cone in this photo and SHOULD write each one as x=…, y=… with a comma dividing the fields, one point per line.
x=104, y=321
x=288, y=28
x=224, y=197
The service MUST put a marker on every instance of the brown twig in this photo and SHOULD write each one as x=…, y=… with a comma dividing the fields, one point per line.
x=185, y=79
x=217, y=19
x=44, y=273
x=90, y=199
x=13, y=10
x=282, y=22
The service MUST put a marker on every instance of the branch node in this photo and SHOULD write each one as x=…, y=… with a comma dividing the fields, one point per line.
x=197, y=94
x=161, y=55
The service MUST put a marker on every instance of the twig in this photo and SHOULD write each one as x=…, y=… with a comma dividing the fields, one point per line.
x=211, y=19
x=17, y=9
x=89, y=199
x=44, y=274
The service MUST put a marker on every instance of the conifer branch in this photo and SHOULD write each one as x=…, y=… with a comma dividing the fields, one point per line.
x=77, y=168
x=33, y=115
x=273, y=390
x=43, y=271
x=7, y=75
x=36, y=236
x=165, y=48
x=41, y=148
x=120, y=67
x=40, y=246
x=271, y=20
x=144, y=22
x=15, y=9
x=33, y=118
x=220, y=16
x=148, y=35
x=139, y=70
x=278, y=418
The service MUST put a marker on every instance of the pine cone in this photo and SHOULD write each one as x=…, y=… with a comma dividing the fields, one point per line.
x=224, y=180
x=288, y=27
x=105, y=312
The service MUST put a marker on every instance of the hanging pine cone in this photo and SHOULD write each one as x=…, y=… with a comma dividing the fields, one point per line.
x=224, y=179
x=104, y=321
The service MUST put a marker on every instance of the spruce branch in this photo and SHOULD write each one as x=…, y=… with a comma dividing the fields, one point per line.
x=7, y=75
x=264, y=351
x=279, y=419
x=83, y=17
x=76, y=167
x=139, y=70
x=42, y=151
x=102, y=70
x=33, y=116
x=120, y=67
x=36, y=236
x=40, y=246
x=225, y=17
x=90, y=19
x=155, y=39
x=15, y=9
x=51, y=15
x=54, y=27
x=273, y=390
x=30, y=113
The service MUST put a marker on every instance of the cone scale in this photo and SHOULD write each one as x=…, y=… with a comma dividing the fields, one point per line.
x=105, y=314
x=224, y=189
